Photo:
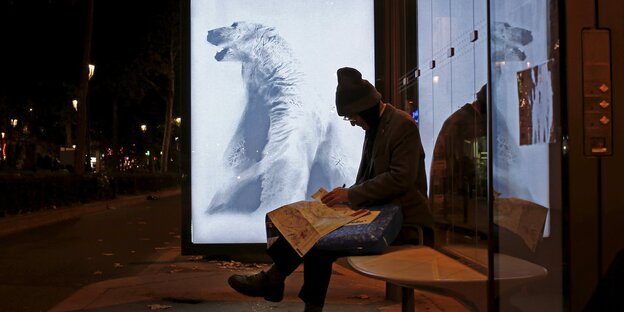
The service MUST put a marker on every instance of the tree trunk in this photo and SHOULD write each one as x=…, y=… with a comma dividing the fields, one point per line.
x=116, y=156
x=68, y=133
x=81, y=132
x=164, y=159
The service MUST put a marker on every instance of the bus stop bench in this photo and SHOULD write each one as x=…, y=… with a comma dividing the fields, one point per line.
x=422, y=267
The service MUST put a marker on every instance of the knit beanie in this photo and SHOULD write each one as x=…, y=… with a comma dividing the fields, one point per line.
x=354, y=94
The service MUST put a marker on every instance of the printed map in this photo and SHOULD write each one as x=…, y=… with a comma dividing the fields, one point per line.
x=303, y=223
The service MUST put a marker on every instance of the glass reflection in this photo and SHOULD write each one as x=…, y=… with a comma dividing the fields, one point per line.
x=452, y=57
x=526, y=154
x=452, y=52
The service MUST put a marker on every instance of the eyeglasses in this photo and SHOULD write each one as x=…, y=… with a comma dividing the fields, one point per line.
x=349, y=119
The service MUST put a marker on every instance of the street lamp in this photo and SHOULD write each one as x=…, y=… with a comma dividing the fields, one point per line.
x=91, y=70
x=145, y=145
x=14, y=122
x=75, y=104
x=3, y=147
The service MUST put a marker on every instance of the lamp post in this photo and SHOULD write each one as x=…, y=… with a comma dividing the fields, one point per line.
x=145, y=146
x=13, y=139
x=2, y=147
x=15, y=131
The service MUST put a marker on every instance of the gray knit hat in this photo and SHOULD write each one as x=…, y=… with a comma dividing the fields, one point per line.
x=353, y=93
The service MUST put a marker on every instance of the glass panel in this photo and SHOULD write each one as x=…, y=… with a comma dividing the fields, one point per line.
x=453, y=68
x=452, y=58
x=526, y=142
x=425, y=94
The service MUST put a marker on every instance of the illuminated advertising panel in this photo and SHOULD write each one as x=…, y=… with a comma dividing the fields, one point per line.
x=263, y=127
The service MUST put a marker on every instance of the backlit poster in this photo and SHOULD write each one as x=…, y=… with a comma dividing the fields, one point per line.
x=264, y=130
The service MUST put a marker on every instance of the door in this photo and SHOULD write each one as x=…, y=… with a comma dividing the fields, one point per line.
x=596, y=209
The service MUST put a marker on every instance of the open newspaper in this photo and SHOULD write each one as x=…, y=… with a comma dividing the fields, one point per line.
x=303, y=223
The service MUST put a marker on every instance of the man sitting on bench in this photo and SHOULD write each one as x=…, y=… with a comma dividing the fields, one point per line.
x=391, y=171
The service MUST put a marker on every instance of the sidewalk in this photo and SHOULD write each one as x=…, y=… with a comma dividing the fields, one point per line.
x=189, y=283
x=183, y=283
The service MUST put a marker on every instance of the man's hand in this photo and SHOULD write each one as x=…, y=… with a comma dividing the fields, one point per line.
x=338, y=196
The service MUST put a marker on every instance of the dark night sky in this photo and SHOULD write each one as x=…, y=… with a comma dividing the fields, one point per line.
x=42, y=44
x=40, y=38
x=48, y=34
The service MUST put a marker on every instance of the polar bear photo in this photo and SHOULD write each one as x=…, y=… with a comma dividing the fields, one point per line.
x=280, y=151
x=264, y=128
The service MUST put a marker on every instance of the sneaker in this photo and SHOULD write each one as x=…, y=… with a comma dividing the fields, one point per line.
x=258, y=285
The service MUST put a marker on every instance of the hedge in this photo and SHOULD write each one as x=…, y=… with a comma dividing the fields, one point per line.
x=31, y=192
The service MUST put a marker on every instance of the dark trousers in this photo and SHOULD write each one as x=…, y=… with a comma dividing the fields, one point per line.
x=317, y=263
x=317, y=269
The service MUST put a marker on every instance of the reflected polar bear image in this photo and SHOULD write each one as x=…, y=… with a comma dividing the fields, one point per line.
x=285, y=146
x=509, y=42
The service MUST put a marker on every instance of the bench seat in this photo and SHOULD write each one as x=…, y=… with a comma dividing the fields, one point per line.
x=422, y=267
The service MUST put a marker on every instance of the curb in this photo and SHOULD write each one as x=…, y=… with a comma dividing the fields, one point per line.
x=15, y=224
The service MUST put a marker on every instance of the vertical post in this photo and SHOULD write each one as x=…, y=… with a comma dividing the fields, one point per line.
x=408, y=301
x=81, y=134
x=116, y=155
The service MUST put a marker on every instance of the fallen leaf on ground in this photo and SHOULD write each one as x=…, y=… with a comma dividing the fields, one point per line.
x=362, y=296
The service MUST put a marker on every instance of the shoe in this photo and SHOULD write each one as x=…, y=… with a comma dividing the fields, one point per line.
x=312, y=308
x=258, y=285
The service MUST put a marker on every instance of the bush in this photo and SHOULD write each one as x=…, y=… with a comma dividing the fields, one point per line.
x=31, y=192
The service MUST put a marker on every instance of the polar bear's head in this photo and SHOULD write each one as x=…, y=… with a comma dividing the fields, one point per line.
x=240, y=41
